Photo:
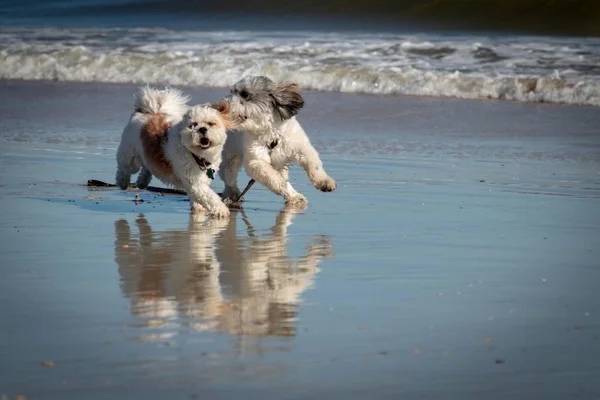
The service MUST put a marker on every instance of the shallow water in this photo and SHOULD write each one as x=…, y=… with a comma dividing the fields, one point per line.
x=457, y=259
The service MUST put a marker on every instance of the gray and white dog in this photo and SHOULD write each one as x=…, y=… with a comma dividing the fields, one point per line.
x=271, y=140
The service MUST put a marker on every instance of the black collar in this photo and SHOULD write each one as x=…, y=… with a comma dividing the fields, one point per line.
x=202, y=162
x=204, y=165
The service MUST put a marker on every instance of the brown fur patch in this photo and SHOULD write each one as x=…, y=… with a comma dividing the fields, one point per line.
x=222, y=106
x=154, y=135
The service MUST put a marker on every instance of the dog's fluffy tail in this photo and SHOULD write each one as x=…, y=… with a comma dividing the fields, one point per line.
x=168, y=101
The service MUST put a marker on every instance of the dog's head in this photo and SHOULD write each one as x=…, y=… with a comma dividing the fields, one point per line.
x=256, y=101
x=204, y=126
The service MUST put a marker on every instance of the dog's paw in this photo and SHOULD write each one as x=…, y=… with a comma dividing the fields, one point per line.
x=220, y=212
x=197, y=208
x=230, y=194
x=233, y=205
x=326, y=185
x=232, y=202
x=298, y=200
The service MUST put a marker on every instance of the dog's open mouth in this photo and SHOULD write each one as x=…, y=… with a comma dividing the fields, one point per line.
x=205, y=143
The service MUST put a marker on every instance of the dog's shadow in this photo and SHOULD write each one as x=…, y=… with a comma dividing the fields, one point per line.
x=214, y=276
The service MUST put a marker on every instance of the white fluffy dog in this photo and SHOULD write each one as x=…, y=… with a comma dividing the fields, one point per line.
x=271, y=140
x=180, y=145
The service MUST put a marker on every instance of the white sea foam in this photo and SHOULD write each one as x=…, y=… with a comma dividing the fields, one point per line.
x=517, y=68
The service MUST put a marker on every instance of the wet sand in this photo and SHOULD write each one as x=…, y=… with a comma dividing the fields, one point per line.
x=458, y=258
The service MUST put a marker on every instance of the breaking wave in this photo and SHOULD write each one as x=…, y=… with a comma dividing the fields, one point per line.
x=523, y=69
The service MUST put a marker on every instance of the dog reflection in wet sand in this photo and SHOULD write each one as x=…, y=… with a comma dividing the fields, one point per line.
x=212, y=277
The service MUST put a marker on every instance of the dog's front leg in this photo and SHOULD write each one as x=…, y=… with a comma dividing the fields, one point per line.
x=196, y=185
x=264, y=173
x=144, y=178
x=205, y=197
x=202, y=197
x=309, y=159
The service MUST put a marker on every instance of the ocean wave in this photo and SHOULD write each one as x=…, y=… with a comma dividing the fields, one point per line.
x=470, y=68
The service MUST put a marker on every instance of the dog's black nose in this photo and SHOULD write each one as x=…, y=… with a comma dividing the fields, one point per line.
x=202, y=130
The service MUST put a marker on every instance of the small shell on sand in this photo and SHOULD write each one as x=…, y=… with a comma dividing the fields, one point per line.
x=47, y=364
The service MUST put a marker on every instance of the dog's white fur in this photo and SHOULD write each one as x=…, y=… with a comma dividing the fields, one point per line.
x=178, y=167
x=266, y=115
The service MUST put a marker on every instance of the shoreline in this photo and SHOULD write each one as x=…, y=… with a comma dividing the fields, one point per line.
x=357, y=93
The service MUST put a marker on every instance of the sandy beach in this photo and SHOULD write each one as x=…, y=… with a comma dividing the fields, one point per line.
x=459, y=258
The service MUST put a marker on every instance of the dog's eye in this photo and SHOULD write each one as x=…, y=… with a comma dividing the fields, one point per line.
x=211, y=124
x=193, y=125
x=244, y=94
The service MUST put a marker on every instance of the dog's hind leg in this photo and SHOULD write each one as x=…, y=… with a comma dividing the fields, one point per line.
x=144, y=178
x=229, y=171
x=127, y=165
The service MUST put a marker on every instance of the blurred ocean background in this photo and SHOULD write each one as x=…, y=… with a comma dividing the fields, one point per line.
x=536, y=50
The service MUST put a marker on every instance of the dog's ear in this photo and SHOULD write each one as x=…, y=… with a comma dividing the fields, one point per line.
x=222, y=106
x=287, y=99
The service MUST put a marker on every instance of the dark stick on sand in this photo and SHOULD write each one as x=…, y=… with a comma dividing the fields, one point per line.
x=248, y=186
x=100, y=184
